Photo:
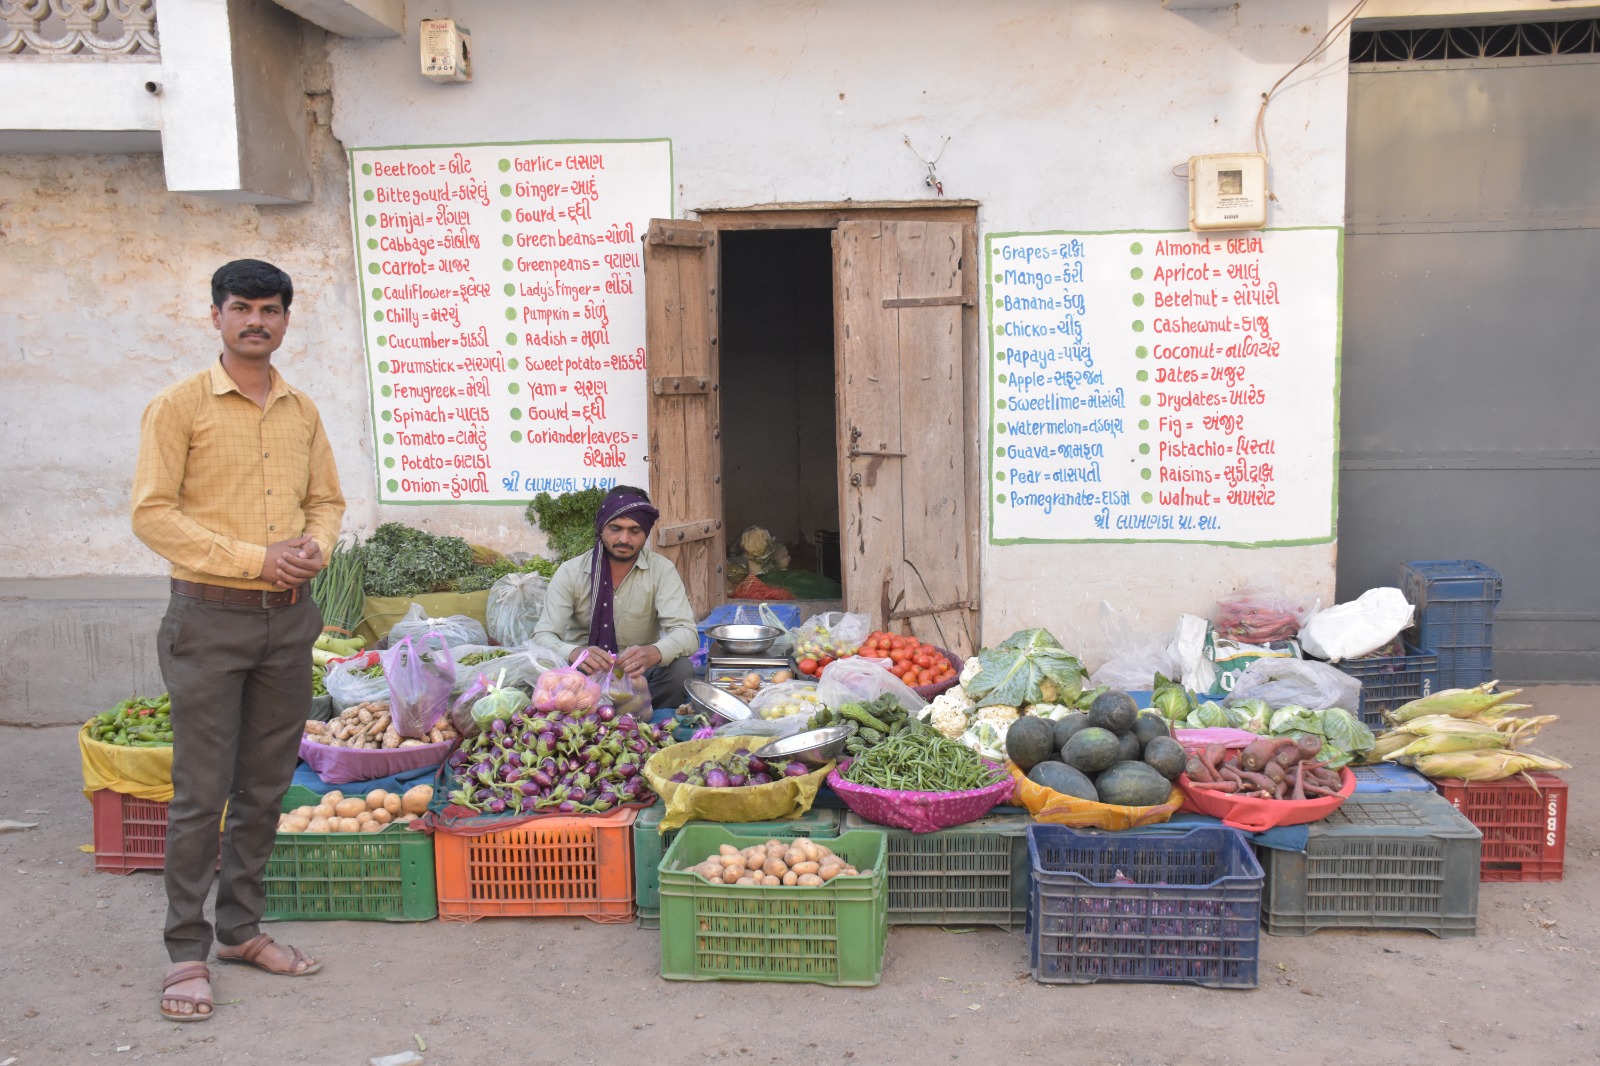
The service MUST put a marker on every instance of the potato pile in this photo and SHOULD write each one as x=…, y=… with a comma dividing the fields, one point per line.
x=802, y=862
x=371, y=813
x=368, y=725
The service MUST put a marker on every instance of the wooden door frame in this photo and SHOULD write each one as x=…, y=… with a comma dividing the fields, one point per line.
x=827, y=216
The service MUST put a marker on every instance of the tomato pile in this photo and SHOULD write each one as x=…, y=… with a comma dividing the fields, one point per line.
x=915, y=663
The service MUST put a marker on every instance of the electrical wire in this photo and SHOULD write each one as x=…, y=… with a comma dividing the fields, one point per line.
x=1266, y=98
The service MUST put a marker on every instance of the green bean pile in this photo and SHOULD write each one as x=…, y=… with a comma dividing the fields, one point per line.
x=337, y=587
x=921, y=760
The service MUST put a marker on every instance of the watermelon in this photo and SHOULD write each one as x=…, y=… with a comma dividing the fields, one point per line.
x=1091, y=749
x=1029, y=741
x=1113, y=710
x=1058, y=777
x=1132, y=784
x=1166, y=756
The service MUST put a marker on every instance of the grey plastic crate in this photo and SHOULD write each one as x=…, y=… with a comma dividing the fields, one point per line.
x=1383, y=860
x=972, y=874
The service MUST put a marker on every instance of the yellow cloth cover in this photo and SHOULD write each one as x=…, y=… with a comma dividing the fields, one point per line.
x=380, y=613
x=142, y=772
x=788, y=797
x=1048, y=805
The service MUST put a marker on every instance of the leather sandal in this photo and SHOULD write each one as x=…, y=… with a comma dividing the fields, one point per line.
x=176, y=975
x=250, y=951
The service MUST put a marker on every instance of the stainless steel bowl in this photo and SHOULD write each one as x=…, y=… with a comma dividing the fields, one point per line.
x=721, y=706
x=815, y=747
x=745, y=639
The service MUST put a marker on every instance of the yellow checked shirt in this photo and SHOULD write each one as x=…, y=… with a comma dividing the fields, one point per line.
x=220, y=478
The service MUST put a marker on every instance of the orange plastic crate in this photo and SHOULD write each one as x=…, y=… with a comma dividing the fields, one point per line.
x=129, y=833
x=1524, y=828
x=554, y=865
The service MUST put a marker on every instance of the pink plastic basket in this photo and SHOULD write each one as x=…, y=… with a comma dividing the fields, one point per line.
x=920, y=812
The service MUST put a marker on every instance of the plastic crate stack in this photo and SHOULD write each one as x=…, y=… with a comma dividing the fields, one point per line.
x=1387, y=681
x=1455, y=601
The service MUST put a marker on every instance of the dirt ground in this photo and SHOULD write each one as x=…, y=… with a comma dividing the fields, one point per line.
x=81, y=954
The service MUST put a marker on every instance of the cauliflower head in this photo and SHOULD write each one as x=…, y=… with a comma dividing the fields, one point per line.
x=1051, y=711
x=999, y=714
x=949, y=713
x=969, y=670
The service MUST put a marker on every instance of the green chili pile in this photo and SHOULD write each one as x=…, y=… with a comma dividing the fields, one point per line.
x=137, y=722
x=921, y=760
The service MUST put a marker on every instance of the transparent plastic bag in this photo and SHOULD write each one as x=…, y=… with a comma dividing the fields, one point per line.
x=787, y=700
x=349, y=682
x=497, y=704
x=832, y=633
x=474, y=660
x=626, y=694
x=856, y=680
x=1298, y=682
x=756, y=727
x=515, y=602
x=1133, y=658
x=1260, y=614
x=455, y=630
x=461, y=709
x=565, y=691
x=420, y=672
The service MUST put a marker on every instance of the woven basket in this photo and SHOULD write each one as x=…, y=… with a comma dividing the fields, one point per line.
x=928, y=692
x=920, y=812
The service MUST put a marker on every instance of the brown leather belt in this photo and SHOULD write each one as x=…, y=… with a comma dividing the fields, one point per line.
x=243, y=597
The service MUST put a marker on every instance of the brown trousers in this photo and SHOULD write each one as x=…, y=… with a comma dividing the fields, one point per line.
x=240, y=681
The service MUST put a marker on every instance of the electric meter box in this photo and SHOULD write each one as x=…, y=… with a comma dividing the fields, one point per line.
x=446, y=50
x=1227, y=192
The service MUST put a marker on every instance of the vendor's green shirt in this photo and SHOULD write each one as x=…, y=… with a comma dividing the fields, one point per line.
x=651, y=606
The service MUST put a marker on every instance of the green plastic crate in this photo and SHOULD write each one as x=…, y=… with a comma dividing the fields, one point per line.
x=972, y=874
x=385, y=876
x=833, y=934
x=650, y=844
x=1383, y=860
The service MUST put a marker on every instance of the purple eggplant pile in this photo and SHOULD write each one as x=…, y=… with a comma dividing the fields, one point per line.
x=740, y=769
x=566, y=763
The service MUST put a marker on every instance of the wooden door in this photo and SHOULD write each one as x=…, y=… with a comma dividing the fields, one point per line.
x=685, y=437
x=907, y=544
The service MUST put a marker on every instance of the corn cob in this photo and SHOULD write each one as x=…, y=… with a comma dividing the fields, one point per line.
x=1430, y=724
x=1441, y=743
x=1386, y=743
x=1457, y=703
x=1486, y=765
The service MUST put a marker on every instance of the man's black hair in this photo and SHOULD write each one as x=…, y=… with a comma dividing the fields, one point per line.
x=629, y=490
x=252, y=279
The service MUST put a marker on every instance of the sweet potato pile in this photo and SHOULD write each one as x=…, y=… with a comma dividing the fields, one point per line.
x=1270, y=768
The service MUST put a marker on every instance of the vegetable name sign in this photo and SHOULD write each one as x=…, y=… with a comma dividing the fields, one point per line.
x=1164, y=386
x=502, y=290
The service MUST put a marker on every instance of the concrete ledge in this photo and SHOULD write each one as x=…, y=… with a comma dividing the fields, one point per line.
x=72, y=647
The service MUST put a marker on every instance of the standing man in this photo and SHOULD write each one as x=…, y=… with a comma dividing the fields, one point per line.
x=236, y=487
x=625, y=604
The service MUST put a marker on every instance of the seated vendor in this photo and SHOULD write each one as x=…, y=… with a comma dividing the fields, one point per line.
x=623, y=606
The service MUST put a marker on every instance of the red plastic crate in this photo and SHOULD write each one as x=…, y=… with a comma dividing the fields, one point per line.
x=578, y=865
x=1524, y=828
x=129, y=833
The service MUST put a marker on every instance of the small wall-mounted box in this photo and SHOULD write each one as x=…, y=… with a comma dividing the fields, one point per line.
x=1227, y=192
x=446, y=50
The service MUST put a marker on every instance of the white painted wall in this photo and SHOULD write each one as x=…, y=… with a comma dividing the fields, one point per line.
x=1058, y=116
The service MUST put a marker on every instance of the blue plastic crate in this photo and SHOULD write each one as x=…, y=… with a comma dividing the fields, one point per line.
x=1431, y=581
x=1390, y=777
x=1387, y=681
x=1464, y=667
x=1164, y=907
x=1455, y=601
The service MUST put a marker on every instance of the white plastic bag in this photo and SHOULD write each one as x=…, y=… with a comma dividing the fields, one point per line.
x=520, y=667
x=347, y=681
x=800, y=695
x=515, y=602
x=455, y=630
x=857, y=680
x=1349, y=630
x=1300, y=682
x=1132, y=658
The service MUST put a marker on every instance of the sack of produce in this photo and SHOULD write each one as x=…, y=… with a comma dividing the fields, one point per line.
x=380, y=613
x=566, y=691
x=420, y=672
x=454, y=630
x=515, y=603
x=1260, y=614
x=673, y=772
x=832, y=635
x=857, y=680
x=1295, y=683
x=358, y=679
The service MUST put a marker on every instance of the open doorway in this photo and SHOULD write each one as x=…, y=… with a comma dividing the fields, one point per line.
x=780, y=462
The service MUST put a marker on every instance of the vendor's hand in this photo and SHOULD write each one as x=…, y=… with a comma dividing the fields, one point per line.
x=292, y=562
x=591, y=660
x=639, y=658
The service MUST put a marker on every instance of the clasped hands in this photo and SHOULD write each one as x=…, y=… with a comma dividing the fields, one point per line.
x=292, y=562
